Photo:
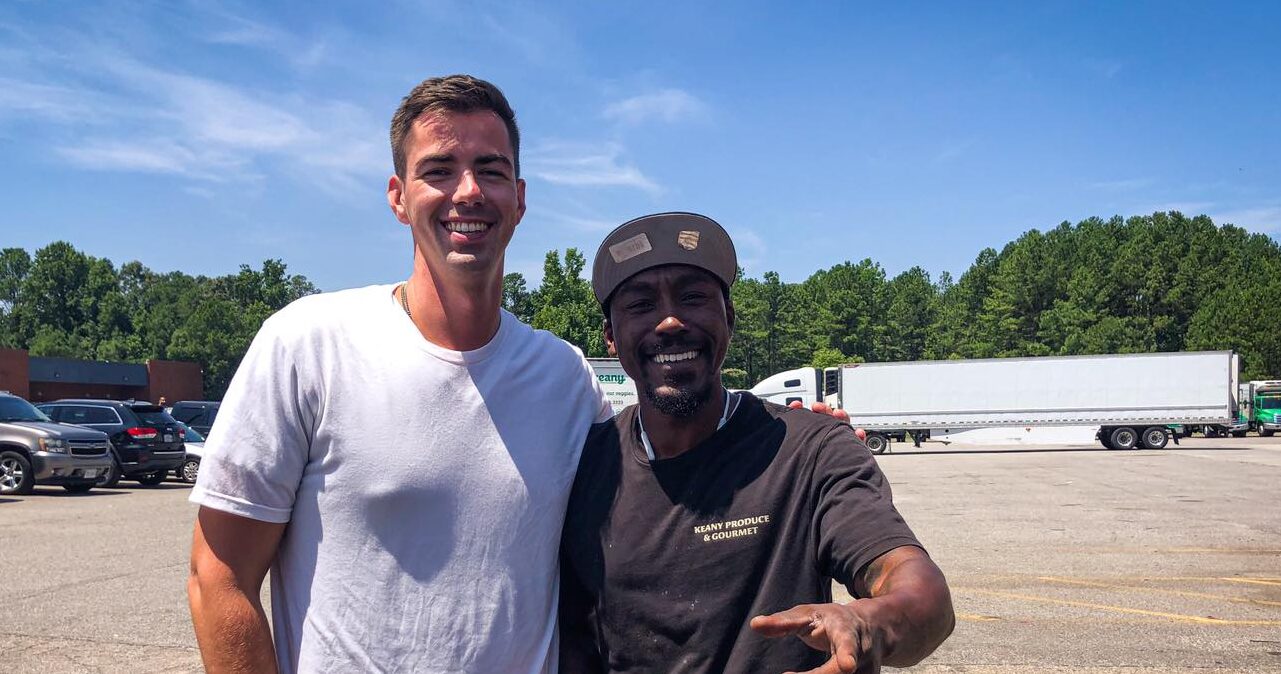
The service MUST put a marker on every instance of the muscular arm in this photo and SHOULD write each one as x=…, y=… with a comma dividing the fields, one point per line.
x=230, y=556
x=906, y=614
x=914, y=606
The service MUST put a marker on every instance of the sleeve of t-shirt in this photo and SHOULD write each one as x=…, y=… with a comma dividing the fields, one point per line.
x=604, y=410
x=257, y=450
x=855, y=517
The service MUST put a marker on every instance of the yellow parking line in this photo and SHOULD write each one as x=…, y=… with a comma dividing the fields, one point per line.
x=1253, y=581
x=1182, y=593
x=1178, y=617
x=975, y=617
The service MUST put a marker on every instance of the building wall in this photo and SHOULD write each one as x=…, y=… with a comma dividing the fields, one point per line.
x=13, y=372
x=44, y=391
x=174, y=380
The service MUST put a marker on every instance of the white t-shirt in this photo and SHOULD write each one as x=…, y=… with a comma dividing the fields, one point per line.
x=424, y=488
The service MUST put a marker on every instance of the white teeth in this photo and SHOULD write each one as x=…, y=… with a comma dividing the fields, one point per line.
x=674, y=357
x=466, y=227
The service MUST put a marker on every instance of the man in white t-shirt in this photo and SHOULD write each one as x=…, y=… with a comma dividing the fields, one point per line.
x=399, y=457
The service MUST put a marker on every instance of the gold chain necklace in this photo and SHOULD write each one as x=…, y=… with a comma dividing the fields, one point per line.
x=404, y=300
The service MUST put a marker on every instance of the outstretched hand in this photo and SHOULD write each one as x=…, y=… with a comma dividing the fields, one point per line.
x=840, y=629
x=822, y=408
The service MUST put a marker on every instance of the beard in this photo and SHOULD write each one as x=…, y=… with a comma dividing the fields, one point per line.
x=682, y=403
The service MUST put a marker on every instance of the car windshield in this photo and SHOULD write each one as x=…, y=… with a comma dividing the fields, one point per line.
x=17, y=409
x=190, y=434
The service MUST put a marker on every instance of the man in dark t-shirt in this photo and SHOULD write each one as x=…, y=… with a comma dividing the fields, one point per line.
x=705, y=527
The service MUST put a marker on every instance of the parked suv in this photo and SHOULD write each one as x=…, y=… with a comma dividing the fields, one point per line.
x=198, y=414
x=146, y=442
x=34, y=449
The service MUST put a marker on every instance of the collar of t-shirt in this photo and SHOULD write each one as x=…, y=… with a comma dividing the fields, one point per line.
x=731, y=406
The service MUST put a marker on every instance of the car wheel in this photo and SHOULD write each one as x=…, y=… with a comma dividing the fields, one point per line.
x=16, y=476
x=82, y=488
x=109, y=477
x=189, y=470
x=877, y=443
x=152, y=479
x=1124, y=438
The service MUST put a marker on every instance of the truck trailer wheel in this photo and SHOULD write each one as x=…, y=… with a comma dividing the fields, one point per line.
x=1155, y=437
x=877, y=443
x=1123, y=437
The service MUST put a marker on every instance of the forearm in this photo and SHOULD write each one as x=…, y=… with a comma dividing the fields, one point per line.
x=913, y=609
x=231, y=625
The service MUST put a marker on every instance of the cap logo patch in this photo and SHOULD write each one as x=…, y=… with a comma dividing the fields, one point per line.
x=687, y=240
x=629, y=248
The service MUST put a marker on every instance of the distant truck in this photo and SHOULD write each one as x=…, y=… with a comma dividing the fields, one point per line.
x=1133, y=398
x=1261, y=403
x=617, y=385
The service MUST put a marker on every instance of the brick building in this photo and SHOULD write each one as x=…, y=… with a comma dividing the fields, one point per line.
x=40, y=379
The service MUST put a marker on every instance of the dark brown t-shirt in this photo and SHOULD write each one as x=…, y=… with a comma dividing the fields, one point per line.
x=664, y=563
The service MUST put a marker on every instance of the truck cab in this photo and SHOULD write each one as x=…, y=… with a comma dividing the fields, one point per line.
x=803, y=384
x=1265, y=405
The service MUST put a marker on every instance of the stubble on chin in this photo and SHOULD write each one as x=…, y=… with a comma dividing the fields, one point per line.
x=683, y=403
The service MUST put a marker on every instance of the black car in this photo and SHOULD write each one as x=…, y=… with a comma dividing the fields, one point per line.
x=146, y=442
x=198, y=414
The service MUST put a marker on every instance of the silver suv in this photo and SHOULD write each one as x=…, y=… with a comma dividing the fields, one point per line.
x=34, y=449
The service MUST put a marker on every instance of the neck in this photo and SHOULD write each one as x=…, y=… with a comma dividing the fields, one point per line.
x=672, y=436
x=456, y=316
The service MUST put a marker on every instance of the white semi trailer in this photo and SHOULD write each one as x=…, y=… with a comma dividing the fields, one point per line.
x=617, y=385
x=1132, y=398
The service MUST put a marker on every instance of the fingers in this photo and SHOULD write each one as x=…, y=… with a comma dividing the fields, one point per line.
x=795, y=404
x=795, y=620
x=829, y=667
x=862, y=434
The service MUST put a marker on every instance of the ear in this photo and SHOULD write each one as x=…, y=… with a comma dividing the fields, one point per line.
x=396, y=199
x=609, y=339
x=520, y=199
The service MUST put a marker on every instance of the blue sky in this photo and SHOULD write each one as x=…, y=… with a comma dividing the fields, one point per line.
x=198, y=136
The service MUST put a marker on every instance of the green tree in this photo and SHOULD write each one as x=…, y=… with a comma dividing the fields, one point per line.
x=516, y=298
x=566, y=306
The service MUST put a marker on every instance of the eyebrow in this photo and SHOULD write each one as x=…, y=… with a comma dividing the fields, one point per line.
x=448, y=158
x=692, y=277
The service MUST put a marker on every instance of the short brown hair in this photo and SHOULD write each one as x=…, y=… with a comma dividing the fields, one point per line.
x=455, y=93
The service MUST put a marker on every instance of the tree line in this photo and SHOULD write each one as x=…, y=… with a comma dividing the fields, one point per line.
x=1164, y=282
x=62, y=302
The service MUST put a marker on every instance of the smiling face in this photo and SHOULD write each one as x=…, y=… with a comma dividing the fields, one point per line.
x=460, y=195
x=670, y=327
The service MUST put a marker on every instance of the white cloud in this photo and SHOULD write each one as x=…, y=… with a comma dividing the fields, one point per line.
x=586, y=165
x=1266, y=219
x=668, y=105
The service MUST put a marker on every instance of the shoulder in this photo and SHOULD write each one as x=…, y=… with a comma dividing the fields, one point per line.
x=325, y=311
x=810, y=433
x=545, y=350
x=604, y=443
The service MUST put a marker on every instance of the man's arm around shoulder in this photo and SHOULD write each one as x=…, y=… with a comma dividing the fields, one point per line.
x=906, y=615
x=230, y=556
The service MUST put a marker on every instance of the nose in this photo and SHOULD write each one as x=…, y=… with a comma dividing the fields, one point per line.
x=671, y=325
x=468, y=190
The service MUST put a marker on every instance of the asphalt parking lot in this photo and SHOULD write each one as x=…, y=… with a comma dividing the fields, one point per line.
x=1061, y=559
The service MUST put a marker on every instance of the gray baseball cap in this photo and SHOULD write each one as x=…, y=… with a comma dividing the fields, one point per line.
x=660, y=239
